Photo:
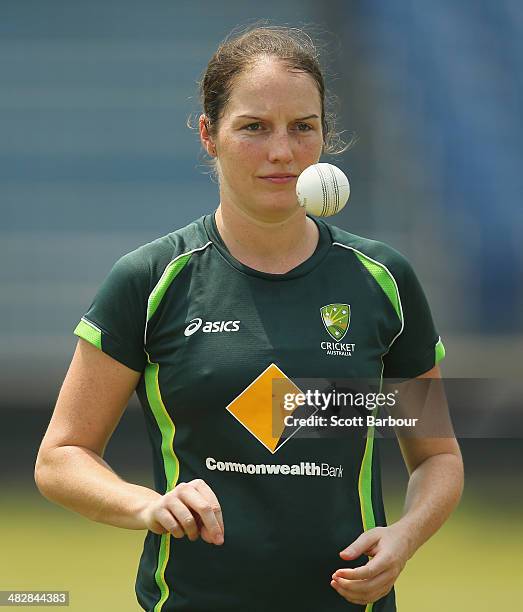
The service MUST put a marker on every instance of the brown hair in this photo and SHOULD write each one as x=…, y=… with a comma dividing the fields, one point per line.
x=242, y=49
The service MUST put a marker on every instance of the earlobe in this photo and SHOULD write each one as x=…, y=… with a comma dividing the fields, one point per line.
x=210, y=147
x=205, y=136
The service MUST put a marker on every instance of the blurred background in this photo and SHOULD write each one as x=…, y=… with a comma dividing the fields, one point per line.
x=96, y=159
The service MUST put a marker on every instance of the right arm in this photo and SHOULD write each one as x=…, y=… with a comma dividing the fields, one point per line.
x=71, y=472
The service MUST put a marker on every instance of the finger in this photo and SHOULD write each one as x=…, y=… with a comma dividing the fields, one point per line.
x=184, y=517
x=359, y=599
x=366, y=588
x=364, y=543
x=194, y=500
x=375, y=566
x=169, y=523
x=205, y=534
x=209, y=494
x=352, y=598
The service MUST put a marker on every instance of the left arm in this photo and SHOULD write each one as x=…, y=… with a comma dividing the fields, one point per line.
x=434, y=489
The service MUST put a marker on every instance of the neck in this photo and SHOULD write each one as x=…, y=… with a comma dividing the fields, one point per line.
x=268, y=246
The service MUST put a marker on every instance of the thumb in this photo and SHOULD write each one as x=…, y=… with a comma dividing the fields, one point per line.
x=361, y=545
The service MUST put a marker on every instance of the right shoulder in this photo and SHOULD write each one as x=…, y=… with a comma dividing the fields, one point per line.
x=147, y=263
x=129, y=295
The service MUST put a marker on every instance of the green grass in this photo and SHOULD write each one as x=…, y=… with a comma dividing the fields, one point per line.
x=473, y=563
x=45, y=547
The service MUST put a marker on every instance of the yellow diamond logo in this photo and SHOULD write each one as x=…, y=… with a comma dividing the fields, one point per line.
x=260, y=407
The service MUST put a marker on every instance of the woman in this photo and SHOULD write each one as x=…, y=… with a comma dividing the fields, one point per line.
x=200, y=322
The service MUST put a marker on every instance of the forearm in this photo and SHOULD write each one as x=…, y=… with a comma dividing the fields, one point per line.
x=433, y=492
x=78, y=479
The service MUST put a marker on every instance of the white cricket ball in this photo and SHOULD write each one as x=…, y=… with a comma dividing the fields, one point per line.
x=322, y=189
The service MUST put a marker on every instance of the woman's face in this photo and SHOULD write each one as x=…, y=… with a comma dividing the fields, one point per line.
x=269, y=133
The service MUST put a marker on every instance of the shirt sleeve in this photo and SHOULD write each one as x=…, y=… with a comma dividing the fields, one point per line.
x=418, y=347
x=115, y=321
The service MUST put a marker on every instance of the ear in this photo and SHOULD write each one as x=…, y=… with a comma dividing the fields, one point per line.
x=205, y=137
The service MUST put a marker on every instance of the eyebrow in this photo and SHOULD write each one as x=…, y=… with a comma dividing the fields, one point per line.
x=260, y=119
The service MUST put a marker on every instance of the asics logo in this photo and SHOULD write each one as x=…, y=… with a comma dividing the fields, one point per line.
x=210, y=326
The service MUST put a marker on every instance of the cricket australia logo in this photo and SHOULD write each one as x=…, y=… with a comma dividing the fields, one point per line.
x=336, y=319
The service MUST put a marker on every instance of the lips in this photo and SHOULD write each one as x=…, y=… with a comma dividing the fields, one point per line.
x=279, y=178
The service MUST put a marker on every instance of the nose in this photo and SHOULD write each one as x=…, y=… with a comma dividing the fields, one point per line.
x=280, y=149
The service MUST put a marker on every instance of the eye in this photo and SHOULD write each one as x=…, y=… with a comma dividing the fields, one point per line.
x=303, y=127
x=253, y=127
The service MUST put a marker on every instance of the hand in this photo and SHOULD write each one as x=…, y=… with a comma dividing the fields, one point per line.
x=389, y=551
x=191, y=509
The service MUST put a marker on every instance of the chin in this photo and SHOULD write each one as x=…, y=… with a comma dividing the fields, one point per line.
x=278, y=207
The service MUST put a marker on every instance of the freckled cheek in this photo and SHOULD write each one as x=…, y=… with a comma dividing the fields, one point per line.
x=240, y=162
x=246, y=155
x=249, y=148
x=309, y=150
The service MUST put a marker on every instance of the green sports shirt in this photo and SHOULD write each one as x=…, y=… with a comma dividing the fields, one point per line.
x=209, y=336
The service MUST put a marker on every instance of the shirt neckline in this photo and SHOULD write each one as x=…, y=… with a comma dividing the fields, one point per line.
x=322, y=248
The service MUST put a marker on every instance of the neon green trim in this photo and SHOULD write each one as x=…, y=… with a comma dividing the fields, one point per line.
x=365, y=483
x=170, y=272
x=365, y=488
x=164, y=421
x=165, y=424
x=163, y=557
x=384, y=279
x=170, y=463
x=439, y=351
x=88, y=331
